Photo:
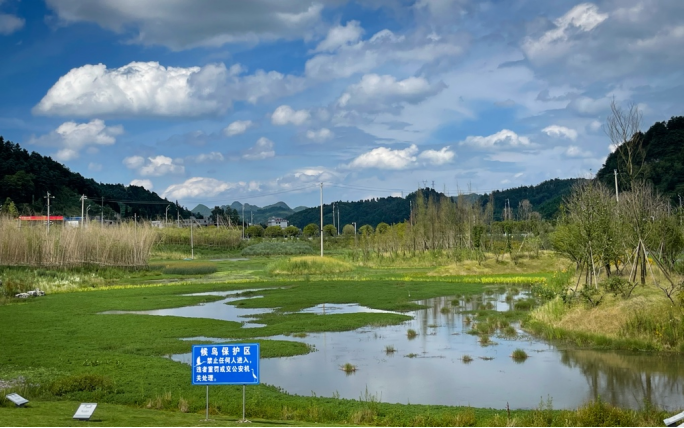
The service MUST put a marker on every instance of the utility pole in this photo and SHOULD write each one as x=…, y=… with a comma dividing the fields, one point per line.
x=333, y=216
x=192, y=243
x=339, y=225
x=166, y=215
x=243, y=221
x=321, y=219
x=83, y=198
x=48, y=197
x=178, y=220
x=354, y=223
x=617, y=198
x=102, y=214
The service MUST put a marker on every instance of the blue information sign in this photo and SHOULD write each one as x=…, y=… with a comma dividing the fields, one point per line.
x=234, y=364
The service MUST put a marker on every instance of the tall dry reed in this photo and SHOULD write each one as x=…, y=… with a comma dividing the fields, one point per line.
x=124, y=245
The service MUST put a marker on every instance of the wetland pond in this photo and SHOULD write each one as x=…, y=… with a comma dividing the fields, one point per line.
x=430, y=368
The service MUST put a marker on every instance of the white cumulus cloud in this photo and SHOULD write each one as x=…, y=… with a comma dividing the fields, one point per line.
x=386, y=158
x=238, y=127
x=375, y=92
x=437, y=157
x=147, y=184
x=560, y=132
x=502, y=139
x=340, y=36
x=285, y=114
x=71, y=138
x=154, y=166
x=198, y=187
x=263, y=149
x=150, y=89
x=319, y=136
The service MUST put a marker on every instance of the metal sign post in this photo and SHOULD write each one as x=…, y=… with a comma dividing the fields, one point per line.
x=229, y=364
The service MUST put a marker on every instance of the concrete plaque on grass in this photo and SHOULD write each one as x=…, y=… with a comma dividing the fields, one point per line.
x=85, y=411
x=17, y=399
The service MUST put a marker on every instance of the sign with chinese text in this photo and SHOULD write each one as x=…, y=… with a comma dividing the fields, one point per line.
x=235, y=364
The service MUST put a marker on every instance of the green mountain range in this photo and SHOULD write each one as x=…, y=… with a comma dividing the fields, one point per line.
x=26, y=178
x=545, y=199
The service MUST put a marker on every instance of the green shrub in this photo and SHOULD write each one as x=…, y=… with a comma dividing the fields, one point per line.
x=189, y=268
x=77, y=383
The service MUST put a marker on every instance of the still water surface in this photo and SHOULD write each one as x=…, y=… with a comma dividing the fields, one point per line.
x=429, y=369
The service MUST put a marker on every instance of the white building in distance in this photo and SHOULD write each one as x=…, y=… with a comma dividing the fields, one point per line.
x=276, y=221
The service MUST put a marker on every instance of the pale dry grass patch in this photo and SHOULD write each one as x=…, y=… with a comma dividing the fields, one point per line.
x=607, y=319
x=124, y=245
x=546, y=262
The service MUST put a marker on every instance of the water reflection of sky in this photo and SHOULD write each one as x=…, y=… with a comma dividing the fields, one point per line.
x=437, y=374
x=219, y=309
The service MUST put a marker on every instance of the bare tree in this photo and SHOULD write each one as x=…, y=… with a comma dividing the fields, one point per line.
x=622, y=127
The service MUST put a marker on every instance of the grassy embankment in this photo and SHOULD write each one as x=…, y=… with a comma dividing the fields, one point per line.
x=645, y=321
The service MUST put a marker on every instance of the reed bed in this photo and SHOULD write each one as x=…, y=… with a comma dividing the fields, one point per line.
x=201, y=237
x=124, y=245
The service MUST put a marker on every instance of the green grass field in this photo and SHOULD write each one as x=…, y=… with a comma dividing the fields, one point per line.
x=59, y=350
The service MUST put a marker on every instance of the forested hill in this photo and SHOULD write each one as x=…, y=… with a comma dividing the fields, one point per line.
x=545, y=198
x=659, y=159
x=26, y=178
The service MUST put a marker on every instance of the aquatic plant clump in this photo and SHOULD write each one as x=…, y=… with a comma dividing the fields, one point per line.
x=308, y=265
x=411, y=333
x=349, y=368
x=519, y=355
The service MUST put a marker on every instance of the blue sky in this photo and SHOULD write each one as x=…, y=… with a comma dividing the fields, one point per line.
x=260, y=101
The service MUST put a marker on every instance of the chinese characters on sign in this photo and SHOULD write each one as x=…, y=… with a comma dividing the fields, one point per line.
x=235, y=364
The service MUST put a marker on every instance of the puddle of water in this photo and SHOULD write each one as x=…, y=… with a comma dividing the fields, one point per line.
x=236, y=259
x=219, y=309
x=342, y=308
x=436, y=374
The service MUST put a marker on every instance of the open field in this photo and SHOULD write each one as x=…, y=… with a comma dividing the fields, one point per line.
x=60, y=350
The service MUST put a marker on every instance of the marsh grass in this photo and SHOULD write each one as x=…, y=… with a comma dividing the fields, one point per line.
x=445, y=310
x=411, y=355
x=485, y=340
x=509, y=331
x=411, y=334
x=519, y=355
x=308, y=265
x=123, y=245
x=466, y=359
x=389, y=349
x=209, y=237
